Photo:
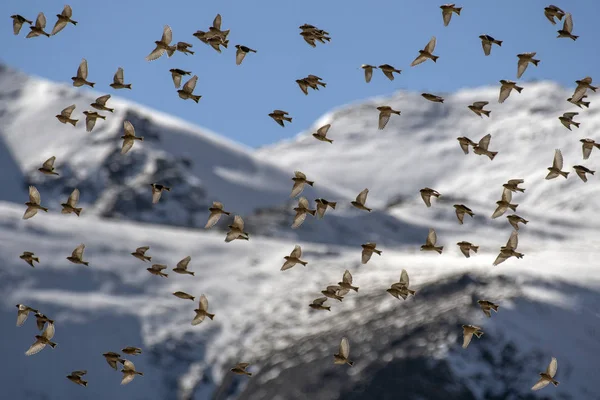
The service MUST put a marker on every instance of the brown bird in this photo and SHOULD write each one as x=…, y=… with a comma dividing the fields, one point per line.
x=41, y=320
x=487, y=306
x=385, y=112
x=461, y=210
x=63, y=19
x=202, y=311
x=465, y=247
x=400, y=288
x=513, y=185
x=346, y=282
x=23, y=312
x=177, y=74
x=182, y=267
x=241, y=52
x=426, y=53
x=100, y=103
x=65, y=116
x=447, y=10
x=557, y=164
x=430, y=242
x=481, y=148
x=548, y=376
x=71, y=205
x=314, y=82
x=184, y=47
x=140, y=253
x=487, y=41
x=321, y=134
x=506, y=88
x=29, y=258
x=132, y=351
x=567, y=28
x=113, y=358
x=302, y=209
x=360, y=201
x=514, y=220
x=524, y=60
x=216, y=210
x=509, y=250
x=215, y=32
x=76, y=377
x=299, y=181
x=426, y=194
x=582, y=86
x=236, y=230
x=157, y=191
x=38, y=28
x=240, y=369
x=156, y=269
x=82, y=74
x=322, y=205
x=465, y=142
x=468, y=332
x=504, y=204
x=342, y=355
x=279, y=116
x=317, y=304
x=119, y=80
x=477, y=108
x=580, y=103
x=335, y=292
x=18, y=22
x=90, y=119
x=188, y=88
x=34, y=203
x=388, y=71
x=567, y=120
x=162, y=45
x=76, y=256
x=368, y=71
x=433, y=97
x=184, y=296
x=552, y=11
x=293, y=259
x=48, y=167
x=587, y=147
x=367, y=251
x=581, y=171
x=42, y=340
x=129, y=372
x=129, y=137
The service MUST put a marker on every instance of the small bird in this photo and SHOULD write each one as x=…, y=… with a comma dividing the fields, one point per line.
x=322, y=205
x=38, y=28
x=181, y=267
x=487, y=306
x=509, y=250
x=567, y=120
x=346, y=282
x=468, y=332
x=176, y=75
x=82, y=74
x=426, y=53
x=557, y=164
x=342, y=356
x=132, y=351
x=433, y=97
x=42, y=340
x=48, y=167
x=504, y=204
x=317, y=304
x=75, y=377
x=514, y=220
x=430, y=242
x=580, y=103
x=481, y=148
x=385, y=112
x=465, y=247
x=461, y=210
x=187, y=92
x=76, y=256
x=184, y=295
x=18, y=22
x=465, y=142
x=299, y=181
x=113, y=358
x=236, y=230
x=587, y=147
x=388, y=71
x=302, y=209
x=184, y=48
x=162, y=45
x=65, y=115
x=335, y=292
x=63, y=19
x=367, y=251
x=119, y=80
x=129, y=137
x=582, y=86
x=129, y=372
x=426, y=194
x=216, y=210
x=360, y=201
x=506, y=88
x=90, y=119
x=314, y=82
x=580, y=170
x=156, y=269
x=293, y=259
x=321, y=134
x=513, y=185
x=34, y=203
x=401, y=288
x=241, y=52
x=202, y=311
x=41, y=320
x=567, y=28
x=157, y=191
x=477, y=108
x=23, y=312
x=29, y=258
x=140, y=253
x=368, y=71
x=447, y=10
x=552, y=11
x=71, y=205
x=279, y=116
x=240, y=369
x=486, y=42
x=524, y=60
x=548, y=376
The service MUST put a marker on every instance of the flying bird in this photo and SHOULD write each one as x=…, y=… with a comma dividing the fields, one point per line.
x=216, y=210
x=279, y=116
x=302, y=209
x=34, y=203
x=465, y=247
x=317, y=304
x=481, y=148
x=385, y=112
x=557, y=164
x=581, y=171
x=524, y=60
x=29, y=258
x=71, y=205
x=65, y=116
x=321, y=134
x=426, y=53
x=401, y=288
x=240, y=369
x=582, y=86
x=184, y=296
x=23, y=312
x=202, y=311
x=513, y=185
x=119, y=80
x=129, y=137
x=461, y=210
x=468, y=332
x=182, y=266
x=187, y=92
x=360, y=201
x=156, y=269
x=299, y=181
x=487, y=42
x=236, y=230
x=567, y=120
x=18, y=22
x=368, y=71
x=553, y=11
x=322, y=205
x=580, y=103
x=430, y=242
x=162, y=45
x=587, y=147
x=477, y=108
x=63, y=19
x=465, y=142
x=447, y=10
x=241, y=52
x=432, y=97
x=76, y=256
x=567, y=28
x=514, y=220
x=42, y=340
x=140, y=253
x=547, y=377
x=38, y=28
x=293, y=259
x=176, y=75
x=113, y=358
x=90, y=119
x=367, y=251
x=129, y=372
x=157, y=191
x=504, y=204
x=184, y=48
x=487, y=306
x=76, y=377
x=509, y=250
x=132, y=351
x=505, y=89
x=346, y=282
x=82, y=73
x=335, y=292
x=388, y=71
x=426, y=194
x=342, y=356
x=48, y=167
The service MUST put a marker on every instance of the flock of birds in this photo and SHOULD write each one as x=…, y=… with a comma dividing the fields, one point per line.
x=216, y=37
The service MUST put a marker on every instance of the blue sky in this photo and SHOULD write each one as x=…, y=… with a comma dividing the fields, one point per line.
x=237, y=99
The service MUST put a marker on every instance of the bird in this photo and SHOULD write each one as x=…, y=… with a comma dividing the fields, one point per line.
x=181, y=267
x=524, y=60
x=567, y=120
x=188, y=88
x=216, y=210
x=465, y=247
x=368, y=71
x=156, y=269
x=317, y=304
x=447, y=10
x=346, y=282
x=342, y=356
x=34, y=203
x=162, y=45
x=547, y=377
x=504, y=204
x=176, y=75
x=184, y=295
x=202, y=311
x=587, y=147
x=505, y=89
x=487, y=306
x=41, y=320
x=303, y=85
x=580, y=170
x=367, y=251
x=132, y=351
x=48, y=167
x=140, y=253
x=509, y=250
x=360, y=201
x=241, y=52
x=461, y=210
x=90, y=119
x=481, y=148
x=385, y=112
x=557, y=164
x=513, y=185
x=42, y=340
x=76, y=377
x=468, y=332
x=63, y=19
x=426, y=194
x=553, y=11
x=477, y=108
x=465, y=142
x=487, y=42
x=388, y=71
x=299, y=181
x=335, y=292
x=38, y=28
x=293, y=259
x=582, y=86
x=119, y=80
x=279, y=116
x=157, y=191
x=71, y=205
x=433, y=97
x=184, y=48
x=401, y=288
x=129, y=372
x=514, y=220
x=18, y=22
x=321, y=134
x=129, y=137
x=76, y=256
x=322, y=205
x=302, y=209
x=82, y=73
x=567, y=28
x=426, y=53
x=430, y=242
x=240, y=369
x=23, y=312
x=29, y=258
x=236, y=230
x=314, y=82
x=113, y=358
x=580, y=103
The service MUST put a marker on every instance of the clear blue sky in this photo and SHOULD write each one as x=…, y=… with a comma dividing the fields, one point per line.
x=237, y=99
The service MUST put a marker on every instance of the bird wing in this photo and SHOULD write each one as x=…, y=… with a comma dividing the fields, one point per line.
x=303, y=86
x=167, y=35
x=49, y=331
x=217, y=22
x=389, y=74
x=320, y=300
x=212, y=220
x=480, y=104
x=127, y=378
x=570, y=115
x=558, y=160
x=366, y=255
x=586, y=151
x=447, y=15
x=142, y=250
x=514, y=224
x=129, y=129
x=384, y=117
x=119, y=76
x=198, y=319
x=303, y=202
x=579, y=93
x=67, y=11
x=184, y=263
x=297, y=188
x=35, y=348
x=40, y=22
x=426, y=198
x=368, y=74
x=467, y=336
x=34, y=195
x=515, y=181
x=90, y=122
x=464, y=147
x=176, y=79
x=73, y=198
x=79, y=373
x=215, y=43
x=521, y=67
x=17, y=26
x=542, y=383
x=127, y=145
x=362, y=197
x=568, y=24
x=549, y=16
x=68, y=111
x=500, y=210
x=58, y=26
x=298, y=219
x=552, y=367
x=344, y=348
x=485, y=141
x=347, y=278
x=506, y=195
x=460, y=214
x=487, y=47
x=49, y=163
x=430, y=46
x=287, y=265
x=155, y=54
x=404, y=278
x=239, y=56
x=82, y=71
x=513, y=241
x=190, y=85
x=22, y=317
x=156, y=194
x=465, y=251
x=431, y=237
x=103, y=99
x=217, y=204
x=238, y=223
x=128, y=366
x=297, y=252
x=500, y=259
x=203, y=303
x=504, y=93
x=78, y=252
x=322, y=131
x=29, y=212
x=419, y=60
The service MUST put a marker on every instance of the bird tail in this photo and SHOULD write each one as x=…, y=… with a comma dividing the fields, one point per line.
x=563, y=173
x=84, y=383
x=439, y=249
x=85, y=263
x=486, y=112
x=332, y=203
x=475, y=248
x=328, y=308
x=163, y=274
x=592, y=172
x=576, y=123
x=44, y=209
x=597, y=145
x=350, y=363
x=355, y=288
x=518, y=88
x=535, y=62
x=112, y=110
x=127, y=86
x=377, y=252
x=189, y=51
x=586, y=104
x=520, y=190
x=192, y=273
x=593, y=88
x=303, y=263
x=368, y=209
x=525, y=222
x=73, y=22
x=396, y=112
x=411, y=291
x=101, y=116
x=77, y=211
x=311, y=183
x=574, y=37
x=52, y=344
x=211, y=316
x=225, y=42
x=91, y=84
x=140, y=138
x=555, y=382
x=289, y=119
x=340, y=298
x=139, y=373
x=73, y=121
x=148, y=258
x=226, y=213
x=35, y=259
x=494, y=307
x=513, y=206
x=478, y=334
x=492, y=154
x=498, y=42
x=434, y=58
x=196, y=98
x=312, y=212
x=457, y=10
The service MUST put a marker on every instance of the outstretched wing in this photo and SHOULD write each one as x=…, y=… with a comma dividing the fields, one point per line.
x=344, y=348
x=431, y=238
x=362, y=197
x=190, y=85
x=34, y=195
x=82, y=71
x=430, y=46
x=297, y=252
x=551, y=370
